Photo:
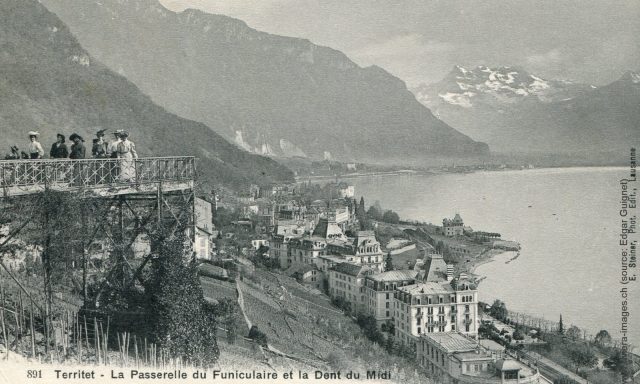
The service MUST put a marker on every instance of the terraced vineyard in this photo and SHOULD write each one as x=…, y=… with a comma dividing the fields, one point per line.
x=302, y=324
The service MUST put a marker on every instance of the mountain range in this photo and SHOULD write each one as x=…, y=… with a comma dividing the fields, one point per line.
x=272, y=95
x=515, y=111
x=51, y=84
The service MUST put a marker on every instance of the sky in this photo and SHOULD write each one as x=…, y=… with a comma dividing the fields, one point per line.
x=420, y=41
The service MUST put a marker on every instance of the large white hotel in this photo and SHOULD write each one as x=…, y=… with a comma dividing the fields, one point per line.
x=437, y=302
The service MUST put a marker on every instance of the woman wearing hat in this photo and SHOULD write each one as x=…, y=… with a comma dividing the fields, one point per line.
x=59, y=149
x=77, y=148
x=127, y=155
x=35, y=148
x=100, y=147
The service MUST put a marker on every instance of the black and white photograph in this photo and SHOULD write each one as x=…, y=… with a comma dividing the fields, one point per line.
x=319, y=191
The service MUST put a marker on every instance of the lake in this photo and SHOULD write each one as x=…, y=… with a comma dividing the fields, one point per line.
x=566, y=220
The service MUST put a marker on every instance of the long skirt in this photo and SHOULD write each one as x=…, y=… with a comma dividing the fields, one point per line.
x=127, y=169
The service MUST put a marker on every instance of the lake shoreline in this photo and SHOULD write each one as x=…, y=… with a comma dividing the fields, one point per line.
x=549, y=214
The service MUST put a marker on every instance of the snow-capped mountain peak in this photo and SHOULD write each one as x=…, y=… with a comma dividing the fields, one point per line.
x=464, y=87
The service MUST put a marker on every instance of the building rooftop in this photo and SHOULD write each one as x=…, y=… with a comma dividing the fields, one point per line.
x=328, y=229
x=491, y=345
x=508, y=365
x=334, y=258
x=452, y=342
x=478, y=354
x=428, y=288
x=350, y=269
x=435, y=268
x=394, y=276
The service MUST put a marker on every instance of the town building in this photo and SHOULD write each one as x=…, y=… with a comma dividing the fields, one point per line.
x=346, y=281
x=283, y=232
x=453, y=227
x=306, y=249
x=378, y=292
x=457, y=359
x=257, y=243
x=305, y=274
x=436, y=303
x=203, y=245
x=341, y=216
x=364, y=249
x=346, y=191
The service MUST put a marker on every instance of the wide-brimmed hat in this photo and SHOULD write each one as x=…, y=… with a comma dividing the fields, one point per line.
x=62, y=136
x=34, y=133
x=124, y=133
x=117, y=132
x=75, y=136
x=101, y=132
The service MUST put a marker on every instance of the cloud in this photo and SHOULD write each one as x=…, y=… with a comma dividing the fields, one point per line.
x=411, y=45
x=549, y=59
x=409, y=56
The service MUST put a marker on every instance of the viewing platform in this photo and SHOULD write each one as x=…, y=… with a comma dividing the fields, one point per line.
x=97, y=177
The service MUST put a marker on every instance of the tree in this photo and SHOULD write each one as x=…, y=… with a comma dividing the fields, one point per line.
x=517, y=334
x=391, y=217
x=374, y=213
x=560, y=326
x=388, y=262
x=574, y=332
x=581, y=355
x=602, y=338
x=498, y=310
x=621, y=362
x=361, y=210
x=182, y=322
x=361, y=215
x=389, y=344
x=257, y=335
x=370, y=328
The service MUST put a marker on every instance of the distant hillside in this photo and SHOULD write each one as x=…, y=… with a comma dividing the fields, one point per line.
x=517, y=112
x=270, y=94
x=49, y=83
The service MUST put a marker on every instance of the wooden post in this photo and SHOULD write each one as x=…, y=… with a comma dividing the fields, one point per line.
x=83, y=220
x=4, y=328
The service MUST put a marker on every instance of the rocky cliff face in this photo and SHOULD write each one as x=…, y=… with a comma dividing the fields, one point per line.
x=51, y=84
x=271, y=94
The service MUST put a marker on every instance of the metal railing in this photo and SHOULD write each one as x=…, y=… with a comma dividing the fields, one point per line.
x=94, y=173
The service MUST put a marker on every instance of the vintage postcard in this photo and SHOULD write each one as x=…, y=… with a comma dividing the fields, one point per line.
x=315, y=191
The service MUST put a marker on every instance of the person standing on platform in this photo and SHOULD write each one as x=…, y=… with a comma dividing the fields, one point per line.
x=77, y=148
x=100, y=146
x=59, y=149
x=127, y=155
x=112, y=148
x=35, y=148
x=112, y=152
x=78, y=152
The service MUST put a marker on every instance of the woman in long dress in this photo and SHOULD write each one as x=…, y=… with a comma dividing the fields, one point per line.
x=35, y=148
x=127, y=155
